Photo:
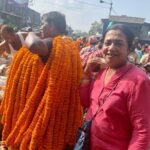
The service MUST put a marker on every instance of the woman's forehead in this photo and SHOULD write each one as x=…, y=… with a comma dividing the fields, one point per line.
x=115, y=34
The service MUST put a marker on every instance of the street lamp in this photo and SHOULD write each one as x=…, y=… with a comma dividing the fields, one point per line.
x=109, y=3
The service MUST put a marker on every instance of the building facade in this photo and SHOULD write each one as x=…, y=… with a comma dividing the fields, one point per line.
x=139, y=27
x=18, y=16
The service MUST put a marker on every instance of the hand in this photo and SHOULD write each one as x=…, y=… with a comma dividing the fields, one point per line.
x=94, y=65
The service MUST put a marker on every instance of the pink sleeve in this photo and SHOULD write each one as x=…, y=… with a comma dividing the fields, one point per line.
x=85, y=94
x=139, y=111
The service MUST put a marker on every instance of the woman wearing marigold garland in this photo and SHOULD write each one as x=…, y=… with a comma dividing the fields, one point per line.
x=41, y=108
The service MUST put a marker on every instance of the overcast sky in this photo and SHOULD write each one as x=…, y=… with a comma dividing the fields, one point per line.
x=81, y=13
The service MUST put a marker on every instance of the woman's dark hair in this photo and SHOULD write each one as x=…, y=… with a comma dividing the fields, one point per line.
x=57, y=19
x=125, y=29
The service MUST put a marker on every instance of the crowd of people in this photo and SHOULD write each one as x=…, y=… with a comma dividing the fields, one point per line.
x=139, y=54
x=54, y=83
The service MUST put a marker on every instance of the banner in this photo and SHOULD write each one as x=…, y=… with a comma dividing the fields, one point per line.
x=23, y=3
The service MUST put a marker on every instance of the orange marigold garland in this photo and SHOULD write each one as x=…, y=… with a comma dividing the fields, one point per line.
x=26, y=84
x=12, y=71
x=53, y=79
x=73, y=101
x=35, y=73
x=23, y=65
x=27, y=115
x=11, y=100
x=60, y=103
x=52, y=110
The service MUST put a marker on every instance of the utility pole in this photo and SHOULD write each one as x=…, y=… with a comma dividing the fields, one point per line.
x=109, y=3
x=110, y=8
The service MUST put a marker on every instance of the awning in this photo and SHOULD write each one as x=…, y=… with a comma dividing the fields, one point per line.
x=10, y=13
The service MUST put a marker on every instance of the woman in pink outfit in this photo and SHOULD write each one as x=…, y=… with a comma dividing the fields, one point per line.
x=123, y=120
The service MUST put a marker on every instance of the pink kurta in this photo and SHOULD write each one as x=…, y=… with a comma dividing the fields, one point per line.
x=123, y=122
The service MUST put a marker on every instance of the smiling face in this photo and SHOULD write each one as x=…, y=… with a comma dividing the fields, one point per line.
x=115, y=48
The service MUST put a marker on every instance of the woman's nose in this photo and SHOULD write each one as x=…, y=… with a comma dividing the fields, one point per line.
x=112, y=46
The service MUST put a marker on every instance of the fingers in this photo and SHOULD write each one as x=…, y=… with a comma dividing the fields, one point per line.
x=96, y=60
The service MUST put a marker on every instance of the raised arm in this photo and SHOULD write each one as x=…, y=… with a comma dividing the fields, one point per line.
x=39, y=46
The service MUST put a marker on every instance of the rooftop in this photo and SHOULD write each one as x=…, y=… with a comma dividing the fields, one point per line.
x=126, y=19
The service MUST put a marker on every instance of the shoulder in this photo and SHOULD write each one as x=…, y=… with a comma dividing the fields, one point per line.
x=137, y=73
x=134, y=85
x=137, y=77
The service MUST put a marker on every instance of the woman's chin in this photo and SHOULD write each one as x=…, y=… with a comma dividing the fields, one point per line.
x=109, y=61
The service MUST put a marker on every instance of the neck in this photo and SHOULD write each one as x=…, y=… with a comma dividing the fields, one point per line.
x=111, y=70
x=108, y=75
x=121, y=65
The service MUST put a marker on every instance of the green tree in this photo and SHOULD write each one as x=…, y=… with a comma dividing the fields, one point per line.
x=79, y=33
x=95, y=28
